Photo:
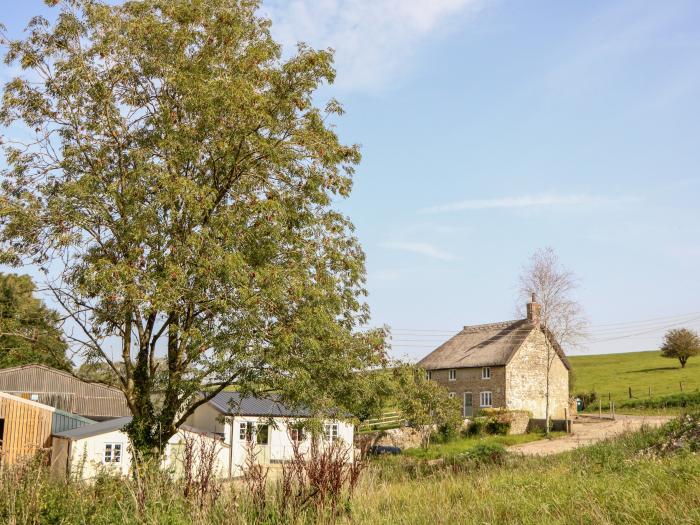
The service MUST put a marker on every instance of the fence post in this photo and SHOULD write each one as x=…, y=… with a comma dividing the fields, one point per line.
x=629, y=388
x=600, y=409
x=649, y=391
x=681, y=383
x=613, y=410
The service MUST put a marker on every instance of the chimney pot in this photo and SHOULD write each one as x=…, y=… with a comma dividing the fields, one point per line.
x=534, y=311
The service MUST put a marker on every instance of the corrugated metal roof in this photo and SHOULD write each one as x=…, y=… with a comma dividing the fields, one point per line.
x=235, y=403
x=61, y=421
x=95, y=429
x=62, y=390
x=103, y=427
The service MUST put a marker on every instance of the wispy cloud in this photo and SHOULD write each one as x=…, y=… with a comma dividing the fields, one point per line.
x=577, y=201
x=421, y=248
x=373, y=39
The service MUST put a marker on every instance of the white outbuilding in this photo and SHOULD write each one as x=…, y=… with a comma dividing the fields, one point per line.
x=87, y=451
x=267, y=426
x=233, y=428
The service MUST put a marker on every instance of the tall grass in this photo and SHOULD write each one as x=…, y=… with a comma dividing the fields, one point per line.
x=607, y=483
x=604, y=484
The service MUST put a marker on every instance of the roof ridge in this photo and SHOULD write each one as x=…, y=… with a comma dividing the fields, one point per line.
x=485, y=326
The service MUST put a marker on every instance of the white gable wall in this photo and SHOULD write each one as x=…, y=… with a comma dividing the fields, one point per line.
x=87, y=454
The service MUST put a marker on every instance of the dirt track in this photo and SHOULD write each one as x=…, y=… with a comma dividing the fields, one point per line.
x=587, y=430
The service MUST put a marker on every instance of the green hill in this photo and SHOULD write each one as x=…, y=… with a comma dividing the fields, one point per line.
x=614, y=373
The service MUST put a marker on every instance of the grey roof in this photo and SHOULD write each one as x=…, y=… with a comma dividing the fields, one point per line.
x=483, y=345
x=235, y=403
x=64, y=391
x=95, y=429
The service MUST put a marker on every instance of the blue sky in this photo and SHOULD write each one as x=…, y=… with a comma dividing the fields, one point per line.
x=491, y=128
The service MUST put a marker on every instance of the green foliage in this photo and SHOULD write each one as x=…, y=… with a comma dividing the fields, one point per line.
x=491, y=425
x=29, y=331
x=685, y=400
x=681, y=344
x=588, y=398
x=181, y=184
x=425, y=404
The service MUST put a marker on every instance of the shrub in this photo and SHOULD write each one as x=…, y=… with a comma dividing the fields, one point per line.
x=487, y=425
x=588, y=398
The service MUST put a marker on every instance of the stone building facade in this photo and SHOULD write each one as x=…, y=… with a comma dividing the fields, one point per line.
x=503, y=365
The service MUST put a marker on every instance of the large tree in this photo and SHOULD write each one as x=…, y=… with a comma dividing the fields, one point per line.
x=30, y=332
x=681, y=344
x=545, y=280
x=178, y=192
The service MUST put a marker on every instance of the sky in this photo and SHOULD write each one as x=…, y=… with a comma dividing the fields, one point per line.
x=492, y=128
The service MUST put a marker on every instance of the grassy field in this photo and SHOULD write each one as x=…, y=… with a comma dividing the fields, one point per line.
x=614, y=374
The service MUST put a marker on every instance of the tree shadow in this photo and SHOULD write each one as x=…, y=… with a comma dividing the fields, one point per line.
x=643, y=370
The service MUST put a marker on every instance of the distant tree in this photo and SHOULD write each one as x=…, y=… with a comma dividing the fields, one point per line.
x=424, y=403
x=681, y=344
x=179, y=189
x=544, y=279
x=29, y=331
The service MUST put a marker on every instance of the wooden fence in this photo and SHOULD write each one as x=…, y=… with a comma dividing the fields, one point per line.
x=391, y=419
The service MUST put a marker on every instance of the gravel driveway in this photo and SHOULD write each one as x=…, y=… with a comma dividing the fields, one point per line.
x=587, y=430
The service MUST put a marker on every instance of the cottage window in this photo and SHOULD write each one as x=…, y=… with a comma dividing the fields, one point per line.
x=452, y=375
x=428, y=374
x=297, y=435
x=262, y=434
x=486, y=372
x=330, y=432
x=34, y=397
x=245, y=432
x=485, y=399
x=452, y=395
x=113, y=453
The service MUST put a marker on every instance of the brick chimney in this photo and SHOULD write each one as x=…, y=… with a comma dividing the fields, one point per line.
x=534, y=311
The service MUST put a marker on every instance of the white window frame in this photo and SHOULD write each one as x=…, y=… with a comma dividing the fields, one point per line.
x=297, y=435
x=486, y=372
x=452, y=395
x=246, y=431
x=115, y=453
x=452, y=374
x=330, y=432
x=483, y=398
x=428, y=375
x=33, y=397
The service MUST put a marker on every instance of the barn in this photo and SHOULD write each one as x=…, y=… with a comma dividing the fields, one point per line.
x=26, y=427
x=64, y=391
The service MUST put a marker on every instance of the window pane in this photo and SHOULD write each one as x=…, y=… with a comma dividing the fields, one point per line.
x=262, y=435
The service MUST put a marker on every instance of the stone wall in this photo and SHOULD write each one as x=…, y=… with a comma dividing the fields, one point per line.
x=526, y=380
x=469, y=380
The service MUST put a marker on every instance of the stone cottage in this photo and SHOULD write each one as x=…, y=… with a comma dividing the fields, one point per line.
x=503, y=365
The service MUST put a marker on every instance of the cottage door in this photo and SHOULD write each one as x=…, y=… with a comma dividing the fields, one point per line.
x=468, y=410
x=262, y=444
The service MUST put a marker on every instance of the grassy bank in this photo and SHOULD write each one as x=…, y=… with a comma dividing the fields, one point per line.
x=609, y=483
x=606, y=483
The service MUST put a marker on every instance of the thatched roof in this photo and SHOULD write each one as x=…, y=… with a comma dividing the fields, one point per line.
x=483, y=345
